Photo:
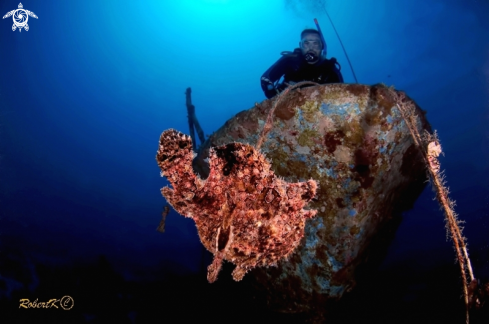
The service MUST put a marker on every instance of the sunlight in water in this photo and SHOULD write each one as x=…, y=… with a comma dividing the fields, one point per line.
x=215, y=8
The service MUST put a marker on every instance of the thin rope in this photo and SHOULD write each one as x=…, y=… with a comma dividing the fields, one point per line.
x=344, y=50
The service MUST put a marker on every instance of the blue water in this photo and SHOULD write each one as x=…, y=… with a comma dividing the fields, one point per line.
x=88, y=89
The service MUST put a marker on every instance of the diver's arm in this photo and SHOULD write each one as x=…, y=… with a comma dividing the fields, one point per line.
x=272, y=75
x=336, y=76
x=330, y=71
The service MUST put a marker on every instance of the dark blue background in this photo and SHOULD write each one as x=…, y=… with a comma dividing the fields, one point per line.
x=86, y=92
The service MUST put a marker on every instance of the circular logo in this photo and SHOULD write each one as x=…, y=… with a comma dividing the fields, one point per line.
x=67, y=302
x=20, y=17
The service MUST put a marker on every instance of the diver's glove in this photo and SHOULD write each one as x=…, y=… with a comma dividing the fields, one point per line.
x=267, y=84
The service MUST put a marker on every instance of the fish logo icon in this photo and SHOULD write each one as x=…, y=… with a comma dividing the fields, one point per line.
x=20, y=17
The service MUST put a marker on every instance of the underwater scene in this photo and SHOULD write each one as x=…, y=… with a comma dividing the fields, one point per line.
x=292, y=161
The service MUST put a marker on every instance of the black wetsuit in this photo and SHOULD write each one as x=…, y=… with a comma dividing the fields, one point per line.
x=294, y=68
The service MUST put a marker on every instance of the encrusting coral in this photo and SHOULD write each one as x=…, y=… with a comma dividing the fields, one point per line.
x=243, y=212
x=354, y=143
x=247, y=215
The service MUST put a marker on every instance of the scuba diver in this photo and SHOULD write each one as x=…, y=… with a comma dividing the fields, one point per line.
x=307, y=63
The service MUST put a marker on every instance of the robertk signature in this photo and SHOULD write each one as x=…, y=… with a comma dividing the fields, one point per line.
x=65, y=303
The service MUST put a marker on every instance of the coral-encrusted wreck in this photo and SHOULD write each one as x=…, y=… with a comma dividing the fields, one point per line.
x=353, y=142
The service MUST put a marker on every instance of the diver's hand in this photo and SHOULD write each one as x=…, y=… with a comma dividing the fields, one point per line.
x=266, y=83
